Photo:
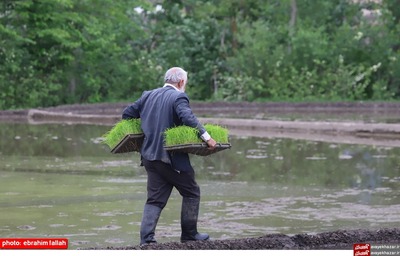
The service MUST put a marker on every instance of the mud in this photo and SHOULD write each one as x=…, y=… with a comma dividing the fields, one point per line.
x=341, y=239
x=387, y=111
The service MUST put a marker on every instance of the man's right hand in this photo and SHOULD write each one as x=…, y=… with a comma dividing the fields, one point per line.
x=211, y=143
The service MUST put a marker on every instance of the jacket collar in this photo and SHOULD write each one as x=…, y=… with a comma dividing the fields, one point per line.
x=170, y=85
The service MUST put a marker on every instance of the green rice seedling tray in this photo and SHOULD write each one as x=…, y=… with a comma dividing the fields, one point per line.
x=200, y=149
x=130, y=143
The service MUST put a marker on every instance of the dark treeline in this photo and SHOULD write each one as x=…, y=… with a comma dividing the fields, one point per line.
x=56, y=52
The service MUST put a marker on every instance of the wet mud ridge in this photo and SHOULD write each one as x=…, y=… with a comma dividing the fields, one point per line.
x=342, y=239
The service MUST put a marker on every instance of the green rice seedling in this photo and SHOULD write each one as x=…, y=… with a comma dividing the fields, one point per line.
x=120, y=130
x=187, y=135
x=181, y=135
x=218, y=133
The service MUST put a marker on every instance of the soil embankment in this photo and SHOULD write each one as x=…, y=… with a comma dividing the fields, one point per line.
x=342, y=239
x=355, y=123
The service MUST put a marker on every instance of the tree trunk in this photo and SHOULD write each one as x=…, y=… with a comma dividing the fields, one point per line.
x=234, y=32
x=292, y=22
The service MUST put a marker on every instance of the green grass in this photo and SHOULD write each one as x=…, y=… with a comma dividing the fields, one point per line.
x=120, y=130
x=188, y=135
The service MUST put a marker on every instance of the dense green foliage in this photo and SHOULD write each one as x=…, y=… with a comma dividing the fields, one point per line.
x=84, y=51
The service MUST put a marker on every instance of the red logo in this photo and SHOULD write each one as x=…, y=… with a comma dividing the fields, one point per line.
x=362, y=249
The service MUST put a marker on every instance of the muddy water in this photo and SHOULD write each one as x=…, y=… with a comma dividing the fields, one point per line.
x=59, y=181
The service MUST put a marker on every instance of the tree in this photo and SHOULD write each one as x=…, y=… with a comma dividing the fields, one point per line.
x=77, y=51
x=67, y=51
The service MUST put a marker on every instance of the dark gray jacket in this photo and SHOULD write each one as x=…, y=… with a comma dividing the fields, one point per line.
x=160, y=109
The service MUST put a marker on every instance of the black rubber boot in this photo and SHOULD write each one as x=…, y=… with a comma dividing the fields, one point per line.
x=151, y=214
x=189, y=215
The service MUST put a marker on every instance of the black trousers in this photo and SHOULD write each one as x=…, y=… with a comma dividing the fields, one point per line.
x=161, y=179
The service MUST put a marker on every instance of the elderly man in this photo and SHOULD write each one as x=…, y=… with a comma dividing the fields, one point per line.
x=160, y=109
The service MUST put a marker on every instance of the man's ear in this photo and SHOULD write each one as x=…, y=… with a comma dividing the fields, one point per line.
x=181, y=84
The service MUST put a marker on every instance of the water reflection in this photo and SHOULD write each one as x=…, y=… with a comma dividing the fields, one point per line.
x=58, y=180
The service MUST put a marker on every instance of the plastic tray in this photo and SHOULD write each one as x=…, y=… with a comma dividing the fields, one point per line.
x=200, y=149
x=130, y=143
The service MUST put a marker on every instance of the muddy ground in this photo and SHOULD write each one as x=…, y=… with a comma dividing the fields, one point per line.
x=256, y=111
x=367, y=122
x=335, y=240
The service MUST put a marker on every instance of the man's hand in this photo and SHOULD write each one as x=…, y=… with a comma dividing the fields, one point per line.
x=211, y=143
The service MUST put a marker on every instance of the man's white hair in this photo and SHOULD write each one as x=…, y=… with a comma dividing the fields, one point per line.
x=174, y=75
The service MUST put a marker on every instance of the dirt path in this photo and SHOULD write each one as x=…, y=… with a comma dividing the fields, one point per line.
x=342, y=239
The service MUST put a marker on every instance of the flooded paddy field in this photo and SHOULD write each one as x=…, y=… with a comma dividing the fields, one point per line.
x=58, y=180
